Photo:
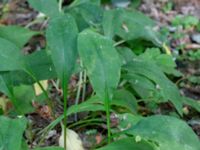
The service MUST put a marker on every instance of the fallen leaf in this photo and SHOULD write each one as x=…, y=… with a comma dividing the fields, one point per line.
x=37, y=88
x=73, y=140
x=3, y=103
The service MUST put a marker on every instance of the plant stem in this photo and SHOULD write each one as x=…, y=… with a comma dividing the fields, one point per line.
x=65, y=93
x=85, y=122
x=107, y=107
x=84, y=85
x=78, y=91
x=119, y=43
x=60, y=5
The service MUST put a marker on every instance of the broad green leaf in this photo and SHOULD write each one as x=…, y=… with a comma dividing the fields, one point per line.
x=49, y=148
x=10, y=56
x=62, y=39
x=151, y=71
x=101, y=61
x=126, y=54
x=91, y=13
x=24, y=145
x=164, y=61
x=144, y=87
x=124, y=98
x=86, y=14
x=128, y=120
x=169, y=133
x=11, y=133
x=130, y=25
x=16, y=34
x=108, y=26
x=128, y=144
x=49, y=8
x=24, y=97
x=41, y=65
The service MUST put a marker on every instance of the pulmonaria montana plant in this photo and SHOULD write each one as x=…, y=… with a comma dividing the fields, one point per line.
x=119, y=53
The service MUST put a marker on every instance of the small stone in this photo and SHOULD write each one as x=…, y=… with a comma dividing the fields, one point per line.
x=121, y=4
x=172, y=29
x=196, y=38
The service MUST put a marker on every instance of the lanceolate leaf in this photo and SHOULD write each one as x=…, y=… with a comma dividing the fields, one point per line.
x=40, y=61
x=169, y=133
x=130, y=25
x=101, y=61
x=124, y=98
x=24, y=97
x=36, y=62
x=85, y=13
x=16, y=34
x=10, y=56
x=150, y=70
x=49, y=8
x=11, y=133
x=62, y=39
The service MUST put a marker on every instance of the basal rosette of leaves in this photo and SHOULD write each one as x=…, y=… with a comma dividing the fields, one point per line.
x=102, y=40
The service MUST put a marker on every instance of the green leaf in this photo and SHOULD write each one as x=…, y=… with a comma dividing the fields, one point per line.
x=86, y=14
x=128, y=144
x=101, y=61
x=16, y=34
x=144, y=87
x=50, y=148
x=41, y=65
x=24, y=145
x=168, y=132
x=21, y=96
x=10, y=56
x=62, y=38
x=130, y=25
x=128, y=120
x=126, y=54
x=11, y=133
x=3, y=86
x=24, y=95
x=124, y=98
x=49, y=8
x=163, y=85
x=164, y=61
x=193, y=103
x=89, y=105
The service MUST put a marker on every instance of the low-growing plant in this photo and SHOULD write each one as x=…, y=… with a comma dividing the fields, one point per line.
x=121, y=53
x=185, y=21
